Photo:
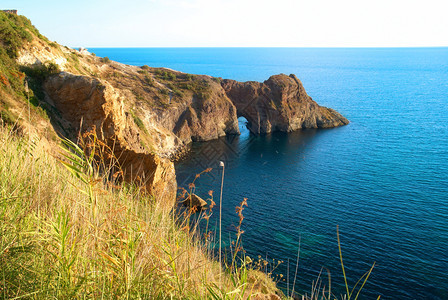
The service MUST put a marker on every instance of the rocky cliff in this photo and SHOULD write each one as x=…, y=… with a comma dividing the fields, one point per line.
x=85, y=104
x=279, y=104
x=148, y=114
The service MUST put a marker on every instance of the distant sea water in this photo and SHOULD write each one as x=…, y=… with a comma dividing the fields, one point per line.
x=383, y=178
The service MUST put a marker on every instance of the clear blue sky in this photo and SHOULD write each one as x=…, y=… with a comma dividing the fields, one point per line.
x=239, y=23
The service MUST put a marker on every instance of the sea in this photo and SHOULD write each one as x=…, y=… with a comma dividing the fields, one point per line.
x=381, y=182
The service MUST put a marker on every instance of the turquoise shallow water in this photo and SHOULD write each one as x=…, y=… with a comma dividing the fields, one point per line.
x=383, y=179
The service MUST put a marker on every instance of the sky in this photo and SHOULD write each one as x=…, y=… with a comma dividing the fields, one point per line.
x=239, y=23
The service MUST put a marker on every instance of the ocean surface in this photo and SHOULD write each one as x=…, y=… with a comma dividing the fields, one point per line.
x=383, y=179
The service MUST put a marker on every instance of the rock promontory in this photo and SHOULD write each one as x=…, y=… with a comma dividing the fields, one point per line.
x=279, y=104
x=147, y=115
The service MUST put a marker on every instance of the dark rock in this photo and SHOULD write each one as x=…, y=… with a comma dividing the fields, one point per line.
x=194, y=200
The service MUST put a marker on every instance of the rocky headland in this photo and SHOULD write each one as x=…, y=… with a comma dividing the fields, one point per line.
x=149, y=115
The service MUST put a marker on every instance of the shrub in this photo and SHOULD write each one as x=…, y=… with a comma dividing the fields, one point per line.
x=43, y=71
x=177, y=93
x=149, y=80
x=7, y=117
x=139, y=123
x=165, y=74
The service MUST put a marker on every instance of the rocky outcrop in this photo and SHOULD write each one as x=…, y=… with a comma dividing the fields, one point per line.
x=279, y=104
x=150, y=114
x=194, y=201
x=84, y=104
x=200, y=117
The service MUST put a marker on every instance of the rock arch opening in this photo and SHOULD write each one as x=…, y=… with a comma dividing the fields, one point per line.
x=243, y=126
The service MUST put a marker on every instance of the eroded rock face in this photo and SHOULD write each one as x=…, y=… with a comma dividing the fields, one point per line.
x=196, y=117
x=279, y=104
x=85, y=103
x=206, y=118
x=37, y=53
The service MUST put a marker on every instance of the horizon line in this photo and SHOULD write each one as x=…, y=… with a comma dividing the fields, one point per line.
x=274, y=47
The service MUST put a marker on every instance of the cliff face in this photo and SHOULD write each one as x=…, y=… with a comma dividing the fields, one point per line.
x=191, y=108
x=86, y=104
x=279, y=104
x=203, y=117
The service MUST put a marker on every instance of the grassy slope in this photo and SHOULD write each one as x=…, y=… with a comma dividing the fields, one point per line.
x=57, y=240
x=62, y=237
x=20, y=106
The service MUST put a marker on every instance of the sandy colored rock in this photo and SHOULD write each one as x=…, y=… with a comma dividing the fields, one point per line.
x=279, y=104
x=84, y=103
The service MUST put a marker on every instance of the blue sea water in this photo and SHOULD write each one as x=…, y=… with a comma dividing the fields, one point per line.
x=383, y=179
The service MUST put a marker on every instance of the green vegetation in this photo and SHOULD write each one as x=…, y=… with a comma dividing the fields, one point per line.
x=41, y=72
x=13, y=34
x=74, y=60
x=149, y=80
x=68, y=232
x=165, y=74
x=7, y=118
x=71, y=229
x=198, y=86
x=105, y=60
x=164, y=91
x=36, y=75
x=116, y=74
x=138, y=122
x=15, y=31
x=138, y=95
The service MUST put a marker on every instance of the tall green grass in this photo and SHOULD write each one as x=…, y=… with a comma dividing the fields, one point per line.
x=70, y=230
x=71, y=233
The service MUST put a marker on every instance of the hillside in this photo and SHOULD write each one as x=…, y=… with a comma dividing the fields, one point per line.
x=69, y=226
x=104, y=226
